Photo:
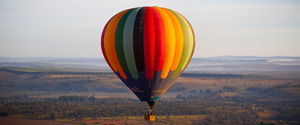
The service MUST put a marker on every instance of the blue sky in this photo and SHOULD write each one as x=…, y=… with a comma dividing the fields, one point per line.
x=72, y=28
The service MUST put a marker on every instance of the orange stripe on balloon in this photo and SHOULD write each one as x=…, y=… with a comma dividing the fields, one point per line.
x=102, y=44
x=109, y=44
x=178, y=39
x=170, y=42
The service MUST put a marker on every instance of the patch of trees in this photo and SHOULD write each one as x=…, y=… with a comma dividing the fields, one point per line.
x=4, y=114
x=197, y=75
x=208, y=91
x=211, y=92
x=227, y=110
x=176, y=89
x=255, y=89
x=74, y=107
x=236, y=118
x=76, y=99
x=240, y=99
x=276, y=91
x=112, y=90
x=277, y=87
x=287, y=114
x=230, y=89
x=20, y=81
x=236, y=99
x=23, y=70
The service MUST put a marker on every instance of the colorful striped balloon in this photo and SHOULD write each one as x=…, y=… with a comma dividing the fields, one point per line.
x=148, y=48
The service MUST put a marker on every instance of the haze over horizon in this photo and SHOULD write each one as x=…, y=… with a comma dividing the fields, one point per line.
x=41, y=28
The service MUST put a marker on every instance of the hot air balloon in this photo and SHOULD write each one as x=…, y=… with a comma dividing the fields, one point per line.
x=148, y=48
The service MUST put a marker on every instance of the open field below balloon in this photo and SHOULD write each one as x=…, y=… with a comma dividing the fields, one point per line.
x=20, y=121
x=15, y=81
x=134, y=120
x=269, y=93
x=22, y=86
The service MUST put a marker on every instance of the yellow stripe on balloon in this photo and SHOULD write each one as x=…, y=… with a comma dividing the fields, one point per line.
x=193, y=44
x=188, y=44
x=178, y=39
x=109, y=44
x=190, y=39
x=170, y=42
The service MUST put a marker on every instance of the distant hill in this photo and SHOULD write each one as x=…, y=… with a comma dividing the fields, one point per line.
x=276, y=66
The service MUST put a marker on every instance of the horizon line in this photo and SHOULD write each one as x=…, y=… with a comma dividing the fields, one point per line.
x=192, y=57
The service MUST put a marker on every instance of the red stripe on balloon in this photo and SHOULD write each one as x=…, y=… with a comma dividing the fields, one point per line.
x=149, y=43
x=160, y=40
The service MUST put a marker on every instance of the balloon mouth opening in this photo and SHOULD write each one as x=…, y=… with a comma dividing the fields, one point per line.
x=151, y=104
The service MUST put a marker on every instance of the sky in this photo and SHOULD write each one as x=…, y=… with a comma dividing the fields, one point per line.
x=72, y=28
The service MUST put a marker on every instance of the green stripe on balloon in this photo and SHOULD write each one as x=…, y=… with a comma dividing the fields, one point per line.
x=119, y=41
x=128, y=39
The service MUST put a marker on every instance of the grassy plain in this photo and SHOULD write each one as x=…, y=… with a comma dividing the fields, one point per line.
x=29, y=83
x=20, y=121
x=39, y=84
x=139, y=120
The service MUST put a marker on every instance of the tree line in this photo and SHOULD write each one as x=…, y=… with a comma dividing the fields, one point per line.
x=219, y=110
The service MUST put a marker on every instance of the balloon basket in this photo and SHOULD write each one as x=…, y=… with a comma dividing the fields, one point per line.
x=150, y=116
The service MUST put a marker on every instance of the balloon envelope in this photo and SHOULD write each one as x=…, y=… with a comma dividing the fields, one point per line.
x=148, y=48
